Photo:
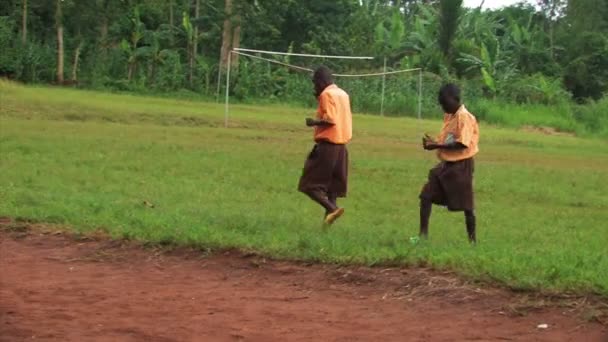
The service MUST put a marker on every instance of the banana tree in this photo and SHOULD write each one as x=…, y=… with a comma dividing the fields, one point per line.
x=190, y=38
x=153, y=52
x=389, y=40
x=491, y=65
x=135, y=53
x=423, y=40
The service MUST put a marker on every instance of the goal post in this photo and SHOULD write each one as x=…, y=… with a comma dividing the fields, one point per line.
x=255, y=54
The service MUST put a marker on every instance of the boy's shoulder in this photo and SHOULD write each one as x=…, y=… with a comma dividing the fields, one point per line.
x=464, y=113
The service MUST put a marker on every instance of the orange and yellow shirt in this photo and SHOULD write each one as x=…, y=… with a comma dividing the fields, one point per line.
x=460, y=127
x=334, y=107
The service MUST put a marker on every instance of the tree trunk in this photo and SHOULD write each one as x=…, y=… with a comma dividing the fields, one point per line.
x=194, y=44
x=236, y=40
x=226, y=35
x=152, y=75
x=171, y=20
x=131, y=71
x=59, y=25
x=76, y=60
x=104, y=29
x=190, y=64
x=24, y=23
x=196, y=15
x=551, y=40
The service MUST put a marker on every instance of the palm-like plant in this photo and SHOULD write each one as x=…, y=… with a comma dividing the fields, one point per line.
x=423, y=40
x=390, y=40
x=493, y=67
x=449, y=17
x=189, y=37
x=135, y=53
x=154, y=52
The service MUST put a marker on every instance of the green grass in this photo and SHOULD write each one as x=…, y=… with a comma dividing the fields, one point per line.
x=89, y=160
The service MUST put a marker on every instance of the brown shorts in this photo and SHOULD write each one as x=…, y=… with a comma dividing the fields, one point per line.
x=450, y=184
x=326, y=169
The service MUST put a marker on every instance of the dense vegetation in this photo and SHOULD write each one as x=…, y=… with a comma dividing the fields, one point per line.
x=541, y=64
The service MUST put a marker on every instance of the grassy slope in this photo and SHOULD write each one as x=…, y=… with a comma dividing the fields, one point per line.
x=90, y=159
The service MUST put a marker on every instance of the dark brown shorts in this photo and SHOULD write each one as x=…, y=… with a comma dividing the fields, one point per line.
x=450, y=184
x=326, y=169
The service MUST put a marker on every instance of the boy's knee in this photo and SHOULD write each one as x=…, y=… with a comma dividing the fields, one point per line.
x=425, y=202
x=469, y=213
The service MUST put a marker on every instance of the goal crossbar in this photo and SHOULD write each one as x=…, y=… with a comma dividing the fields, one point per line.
x=336, y=75
x=243, y=52
x=299, y=54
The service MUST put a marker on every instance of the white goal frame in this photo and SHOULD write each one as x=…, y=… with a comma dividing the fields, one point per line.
x=247, y=53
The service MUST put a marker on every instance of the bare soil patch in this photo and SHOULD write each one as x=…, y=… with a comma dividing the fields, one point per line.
x=60, y=287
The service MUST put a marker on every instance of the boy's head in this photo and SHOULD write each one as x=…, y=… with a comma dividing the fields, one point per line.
x=322, y=78
x=449, y=98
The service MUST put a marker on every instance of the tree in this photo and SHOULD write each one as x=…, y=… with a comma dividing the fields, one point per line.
x=390, y=41
x=59, y=27
x=449, y=17
x=585, y=36
x=552, y=9
x=191, y=37
x=236, y=38
x=226, y=35
x=197, y=9
x=24, y=23
x=132, y=46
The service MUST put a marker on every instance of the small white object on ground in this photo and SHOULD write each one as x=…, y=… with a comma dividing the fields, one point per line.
x=542, y=326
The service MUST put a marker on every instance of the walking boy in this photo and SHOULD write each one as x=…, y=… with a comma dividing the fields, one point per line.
x=325, y=174
x=450, y=183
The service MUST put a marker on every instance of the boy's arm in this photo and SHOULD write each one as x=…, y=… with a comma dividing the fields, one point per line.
x=458, y=142
x=431, y=145
x=326, y=112
x=312, y=122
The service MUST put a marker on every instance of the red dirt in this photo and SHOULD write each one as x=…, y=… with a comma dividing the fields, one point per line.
x=54, y=287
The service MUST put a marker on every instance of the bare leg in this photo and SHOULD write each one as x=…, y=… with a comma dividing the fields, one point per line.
x=333, y=199
x=425, y=214
x=321, y=198
x=469, y=216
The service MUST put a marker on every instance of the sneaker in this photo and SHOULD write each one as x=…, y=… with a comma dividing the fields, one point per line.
x=333, y=216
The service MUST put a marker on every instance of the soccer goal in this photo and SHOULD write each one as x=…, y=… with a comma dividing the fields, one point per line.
x=347, y=81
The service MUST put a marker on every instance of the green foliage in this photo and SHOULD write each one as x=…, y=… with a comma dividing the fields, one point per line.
x=594, y=116
x=517, y=54
x=537, y=89
x=8, y=56
x=587, y=74
x=389, y=40
x=449, y=17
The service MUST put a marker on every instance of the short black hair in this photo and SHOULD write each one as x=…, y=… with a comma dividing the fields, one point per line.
x=449, y=90
x=323, y=74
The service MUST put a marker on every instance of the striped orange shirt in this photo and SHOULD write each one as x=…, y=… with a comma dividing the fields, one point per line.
x=334, y=107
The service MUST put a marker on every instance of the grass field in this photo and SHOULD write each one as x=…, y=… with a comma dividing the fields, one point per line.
x=89, y=160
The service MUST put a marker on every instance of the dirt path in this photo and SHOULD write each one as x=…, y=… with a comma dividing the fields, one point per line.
x=55, y=288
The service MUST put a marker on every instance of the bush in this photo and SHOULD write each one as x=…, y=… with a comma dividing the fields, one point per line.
x=593, y=116
x=515, y=115
x=8, y=55
x=536, y=88
x=586, y=76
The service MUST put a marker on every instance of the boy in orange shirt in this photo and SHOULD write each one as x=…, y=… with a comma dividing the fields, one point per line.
x=325, y=175
x=450, y=183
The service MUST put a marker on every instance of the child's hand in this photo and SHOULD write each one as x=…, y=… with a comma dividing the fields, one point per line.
x=428, y=143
